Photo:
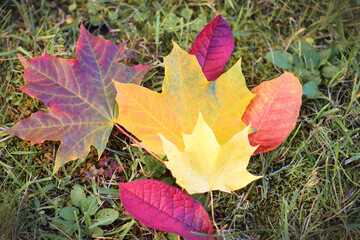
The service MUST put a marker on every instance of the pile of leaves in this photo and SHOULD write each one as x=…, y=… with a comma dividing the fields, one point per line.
x=206, y=122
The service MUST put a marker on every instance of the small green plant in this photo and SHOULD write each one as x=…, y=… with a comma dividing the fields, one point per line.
x=314, y=67
x=84, y=210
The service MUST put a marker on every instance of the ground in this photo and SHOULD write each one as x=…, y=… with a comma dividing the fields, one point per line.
x=311, y=184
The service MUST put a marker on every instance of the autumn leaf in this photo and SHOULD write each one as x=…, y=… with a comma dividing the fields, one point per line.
x=205, y=165
x=273, y=111
x=185, y=93
x=213, y=47
x=157, y=205
x=80, y=96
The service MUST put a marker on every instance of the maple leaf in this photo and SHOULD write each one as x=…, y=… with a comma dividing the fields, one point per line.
x=277, y=103
x=80, y=96
x=185, y=93
x=213, y=47
x=160, y=206
x=205, y=165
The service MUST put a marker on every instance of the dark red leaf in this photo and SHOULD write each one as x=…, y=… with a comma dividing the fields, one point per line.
x=213, y=47
x=157, y=205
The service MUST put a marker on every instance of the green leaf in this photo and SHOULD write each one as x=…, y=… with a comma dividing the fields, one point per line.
x=77, y=195
x=68, y=213
x=281, y=59
x=310, y=76
x=106, y=216
x=66, y=227
x=89, y=205
x=311, y=90
x=97, y=232
x=310, y=56
x=199, y=23
x=324, y=56
x=72, y=7
x=171, y=22
x=329, y=71
x=297, y=62
x=93, y=7
x=336, y=47
x=186, y=13
x=300, y=69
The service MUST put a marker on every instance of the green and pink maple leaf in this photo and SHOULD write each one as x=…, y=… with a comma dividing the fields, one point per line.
x=80, y=96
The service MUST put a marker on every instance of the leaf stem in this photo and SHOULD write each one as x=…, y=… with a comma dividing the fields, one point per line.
x=212, y=212
x=139, y=144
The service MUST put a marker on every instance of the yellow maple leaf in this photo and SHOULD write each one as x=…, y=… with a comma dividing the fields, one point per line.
x=185, y=93
x=205, y=165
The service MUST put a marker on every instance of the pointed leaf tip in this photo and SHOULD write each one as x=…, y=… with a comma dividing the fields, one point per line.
x=23, y=60
x=56, y=167
x=160, y=206
x=82, y=27
x=177, y=50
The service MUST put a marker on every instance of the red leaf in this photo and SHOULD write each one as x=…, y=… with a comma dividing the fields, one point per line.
x=157, y=205
x=213, y=47
x=273, y=111
x=80, y=95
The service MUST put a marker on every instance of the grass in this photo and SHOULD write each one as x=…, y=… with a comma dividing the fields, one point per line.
x=311, y=184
